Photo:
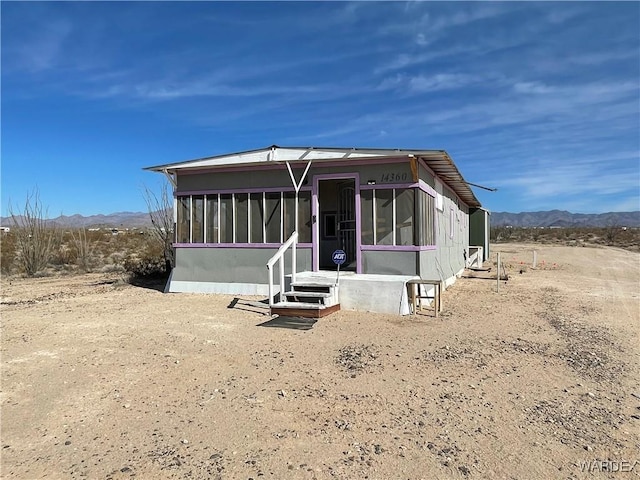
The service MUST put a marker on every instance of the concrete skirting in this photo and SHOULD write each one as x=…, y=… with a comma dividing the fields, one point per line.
x=181, y=286
x=358, y=292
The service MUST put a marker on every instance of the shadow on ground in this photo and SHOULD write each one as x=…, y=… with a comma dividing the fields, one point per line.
x=152, y=283
x=250, y=306
x=293, y=323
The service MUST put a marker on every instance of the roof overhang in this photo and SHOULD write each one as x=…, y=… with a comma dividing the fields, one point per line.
x=438, y=161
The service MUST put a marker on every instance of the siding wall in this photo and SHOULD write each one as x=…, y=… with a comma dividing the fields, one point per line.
x=447, y=260
x=278, y=177
x=232, y=265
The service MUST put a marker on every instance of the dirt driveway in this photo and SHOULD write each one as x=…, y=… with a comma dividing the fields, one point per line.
x=101, y=379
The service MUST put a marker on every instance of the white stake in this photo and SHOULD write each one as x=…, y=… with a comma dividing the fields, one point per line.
x=498, y=284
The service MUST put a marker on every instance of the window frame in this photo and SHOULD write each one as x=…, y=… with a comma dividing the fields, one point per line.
x=221, y=196
x=417, y=218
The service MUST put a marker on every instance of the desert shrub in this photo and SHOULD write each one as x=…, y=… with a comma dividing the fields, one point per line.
x=628, y=238
x=36, y=238
x=611, y=233
x=500, y=234
x=112, y=268
x=64, y=255
x=83, y=248
x=160, y=210
x=7, y=252
x=150, y=262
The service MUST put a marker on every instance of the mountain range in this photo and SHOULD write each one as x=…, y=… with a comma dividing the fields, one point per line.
x=117, y=220
x=562, y=218
x=552, y=218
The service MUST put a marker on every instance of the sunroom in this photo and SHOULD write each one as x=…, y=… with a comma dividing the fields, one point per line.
x=393, y=212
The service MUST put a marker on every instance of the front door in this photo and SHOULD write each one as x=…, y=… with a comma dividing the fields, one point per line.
x=335, y=221
x=346, y=222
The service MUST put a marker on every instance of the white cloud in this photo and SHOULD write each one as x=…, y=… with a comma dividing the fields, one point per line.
x=532, y=87
x=39, y=49
x=561, y=15
x=421, y=40
x=419, y=84
x=440, y=81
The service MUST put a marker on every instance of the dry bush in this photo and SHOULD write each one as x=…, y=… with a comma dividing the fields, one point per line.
x=160, y=210
x=148, y=262
x=36, y=238
x=7, y=252
x=628, y=238
x=91, y=250
x=83, y=248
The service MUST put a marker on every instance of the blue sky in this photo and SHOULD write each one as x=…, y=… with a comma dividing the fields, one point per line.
x=541, y=100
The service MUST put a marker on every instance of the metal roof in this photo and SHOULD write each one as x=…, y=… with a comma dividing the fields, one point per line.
x=438, y=160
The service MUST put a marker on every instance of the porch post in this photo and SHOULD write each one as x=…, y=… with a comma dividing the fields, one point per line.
x=297, y=186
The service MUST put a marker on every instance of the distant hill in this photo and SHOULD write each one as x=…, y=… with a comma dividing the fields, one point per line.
x=562, y=218
x=552, y=218
x=119, y=219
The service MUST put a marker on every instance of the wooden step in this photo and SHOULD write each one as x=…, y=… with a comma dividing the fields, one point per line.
x=312, y=287
x=303, y=293
x=320, y=298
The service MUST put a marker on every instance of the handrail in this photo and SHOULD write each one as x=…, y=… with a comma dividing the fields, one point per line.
x=279, y=257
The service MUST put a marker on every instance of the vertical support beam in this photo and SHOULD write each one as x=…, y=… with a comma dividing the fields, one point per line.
x=264, y=214
x=175, y=218
x=294, y=260
x=281, y=273
x=498, y=276
x=282, y=237
x=219, y=219
x=296, y=212
x=190, y=218
x=204, y=219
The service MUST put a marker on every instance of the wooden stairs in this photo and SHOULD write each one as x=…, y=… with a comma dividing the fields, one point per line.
x=308, y=299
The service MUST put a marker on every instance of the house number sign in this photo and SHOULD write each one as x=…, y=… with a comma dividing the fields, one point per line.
x=390, y=177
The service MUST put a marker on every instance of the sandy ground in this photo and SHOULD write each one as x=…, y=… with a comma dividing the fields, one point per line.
x=101, y=379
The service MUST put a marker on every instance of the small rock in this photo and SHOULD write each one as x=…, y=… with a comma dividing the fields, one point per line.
x=68, y=442
x=184, y=441
x=125, y=469
x=588, y=448
x=282, y=393
x=126, y=405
